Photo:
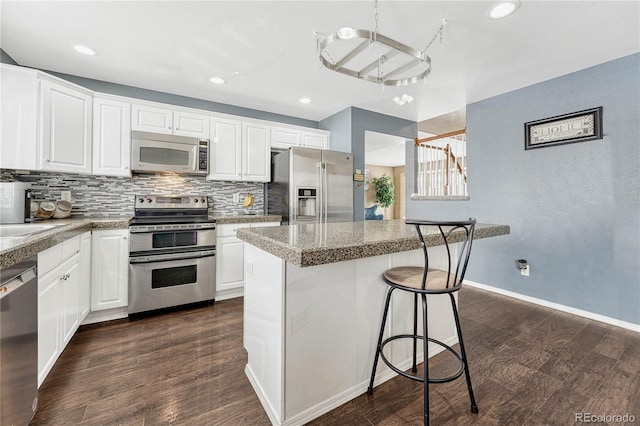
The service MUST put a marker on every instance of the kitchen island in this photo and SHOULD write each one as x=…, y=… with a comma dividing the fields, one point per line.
x=313, y=303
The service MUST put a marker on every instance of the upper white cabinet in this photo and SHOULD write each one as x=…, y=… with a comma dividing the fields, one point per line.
x=149, y=118
x=318, y=140
x=225, y=161
x=239, y=151
x=19, y=118
x=65, y=129
x=286, y=137
x=111, y=137
x=256, y=152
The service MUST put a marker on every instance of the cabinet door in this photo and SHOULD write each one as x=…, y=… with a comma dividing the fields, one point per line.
x=70, y=299
x=189, y=124
x=111, y=137
x=85, y=275
x=48, y=322
x=66, y=129
x=109, y=269
x=151, y=119
x=19, y=118
x=256, y=153
x=283, y=138
x=230, y=263
x=225, y=153
x=315, y=140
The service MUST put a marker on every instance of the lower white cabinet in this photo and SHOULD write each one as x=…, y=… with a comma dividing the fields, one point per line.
x=230, y=259
x=109, y=268
x=58, y=301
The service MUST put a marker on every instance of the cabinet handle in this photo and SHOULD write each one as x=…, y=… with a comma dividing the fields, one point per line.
x=47, y=160
x=126, y=167
x=169, y=127
x=124, y=238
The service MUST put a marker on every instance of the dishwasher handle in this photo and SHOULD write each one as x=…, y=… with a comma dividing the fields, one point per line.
x=15, y=283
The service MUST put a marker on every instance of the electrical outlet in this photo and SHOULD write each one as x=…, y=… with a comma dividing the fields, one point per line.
x=65, y=195
x=525, y=271
x=236, y=197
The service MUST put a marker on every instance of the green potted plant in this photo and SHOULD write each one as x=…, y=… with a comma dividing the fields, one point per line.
x=384, y=191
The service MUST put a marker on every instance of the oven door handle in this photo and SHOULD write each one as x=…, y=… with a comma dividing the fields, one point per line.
x=171, y=256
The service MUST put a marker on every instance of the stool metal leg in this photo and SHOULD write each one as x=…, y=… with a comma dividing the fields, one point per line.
x=414, y=368
x=474, y=406
x=425, y=364
x=379, y=346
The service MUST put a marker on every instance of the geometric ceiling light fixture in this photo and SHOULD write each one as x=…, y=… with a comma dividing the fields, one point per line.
x=371, y=56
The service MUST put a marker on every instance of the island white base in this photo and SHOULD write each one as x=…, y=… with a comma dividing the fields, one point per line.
x=310, y=333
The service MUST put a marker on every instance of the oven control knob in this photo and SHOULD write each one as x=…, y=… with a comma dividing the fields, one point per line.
x=195, y=200
x=149, y=200
x=141, y=200
x=202, y=200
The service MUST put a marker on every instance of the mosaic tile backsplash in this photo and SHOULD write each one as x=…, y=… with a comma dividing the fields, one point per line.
x=94, y=196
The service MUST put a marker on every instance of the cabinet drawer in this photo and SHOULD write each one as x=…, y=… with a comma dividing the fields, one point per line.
x=49, y=259
x=70, y=247
x=230, y=229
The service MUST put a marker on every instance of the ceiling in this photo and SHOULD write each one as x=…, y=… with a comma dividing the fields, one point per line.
x=176, y=46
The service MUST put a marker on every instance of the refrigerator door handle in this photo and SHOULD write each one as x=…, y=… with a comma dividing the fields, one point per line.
x=325, y=189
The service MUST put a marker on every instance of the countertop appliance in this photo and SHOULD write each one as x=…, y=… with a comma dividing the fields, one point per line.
x=12, y=202
x=18, y=343
x=155, y=152
x=311, y=185
x=172, y=248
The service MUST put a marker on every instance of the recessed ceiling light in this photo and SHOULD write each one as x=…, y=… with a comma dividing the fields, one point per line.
x=84, y=50
x=304, y=100
x=503, y=9
x=217, y=80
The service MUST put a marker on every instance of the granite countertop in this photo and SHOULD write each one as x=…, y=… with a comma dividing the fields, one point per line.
x=245, y=218
x=16, y=249
x=317, y=244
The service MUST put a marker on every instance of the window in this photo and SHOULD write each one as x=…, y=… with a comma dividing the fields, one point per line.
x=442, y=165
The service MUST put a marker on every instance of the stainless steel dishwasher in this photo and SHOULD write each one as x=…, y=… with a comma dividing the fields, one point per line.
x=18, y=343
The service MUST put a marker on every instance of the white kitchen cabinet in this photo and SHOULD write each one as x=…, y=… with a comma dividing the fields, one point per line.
x=70, y=296
x=65, y=128
x=109, y=268
x=284, y=138
x=158, y=119
x=111, y=137
x=225, y=160
x=239, y=151
x=256, y=152
x=230, y=259
x=48, y=321
x=85, y=275
x=58, y=301
x=19, y=117
x=319, y=140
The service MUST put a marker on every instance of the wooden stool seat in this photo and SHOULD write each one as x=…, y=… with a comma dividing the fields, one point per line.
x=411, y=277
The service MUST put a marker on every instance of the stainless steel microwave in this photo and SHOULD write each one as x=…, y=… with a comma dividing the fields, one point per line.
x=155, y=152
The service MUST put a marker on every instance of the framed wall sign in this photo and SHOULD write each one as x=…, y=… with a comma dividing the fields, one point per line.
x=568, y=128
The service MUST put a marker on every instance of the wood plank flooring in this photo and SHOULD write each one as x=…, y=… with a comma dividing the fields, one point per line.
x=529, y=366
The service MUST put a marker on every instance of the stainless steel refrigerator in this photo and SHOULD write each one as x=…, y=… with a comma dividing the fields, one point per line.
x=311, y=185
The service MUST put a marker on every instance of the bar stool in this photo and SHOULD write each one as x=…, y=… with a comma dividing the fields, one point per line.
x=423, y=281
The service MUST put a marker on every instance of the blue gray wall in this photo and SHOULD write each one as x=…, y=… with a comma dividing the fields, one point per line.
x=574, y=210
x=6, y=59
x=350, y=125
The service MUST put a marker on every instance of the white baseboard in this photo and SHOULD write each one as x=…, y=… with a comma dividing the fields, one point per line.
x=586, y=314
x=268, y=408
x=229, y=294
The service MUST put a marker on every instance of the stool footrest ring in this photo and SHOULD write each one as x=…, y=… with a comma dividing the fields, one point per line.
x=420, y=378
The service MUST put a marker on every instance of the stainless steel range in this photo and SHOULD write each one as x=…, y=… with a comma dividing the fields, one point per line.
x=172, y=248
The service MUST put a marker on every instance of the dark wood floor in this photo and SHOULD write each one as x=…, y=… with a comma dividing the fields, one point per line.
x=529, y=366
